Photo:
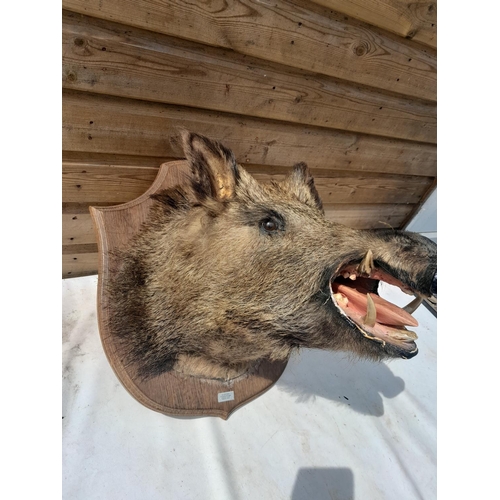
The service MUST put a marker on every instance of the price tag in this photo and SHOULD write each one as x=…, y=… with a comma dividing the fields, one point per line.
x=225, y=396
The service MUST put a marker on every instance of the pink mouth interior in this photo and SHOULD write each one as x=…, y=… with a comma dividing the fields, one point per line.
x=387, y=312
x=390, y=322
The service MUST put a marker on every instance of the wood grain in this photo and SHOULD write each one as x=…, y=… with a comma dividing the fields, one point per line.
x=120, y=184
x=169, y=393
x=144, y=65
x=348, y=86
x=356, y=188
x=298, y=34
x=94, y=124
x=412, y=19
x=85, y=158
x=77, y=229
x=104, y=183
x=78, y=264
x=369, y=216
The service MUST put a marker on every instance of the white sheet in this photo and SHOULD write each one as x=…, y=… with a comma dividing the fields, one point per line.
x=331, y=428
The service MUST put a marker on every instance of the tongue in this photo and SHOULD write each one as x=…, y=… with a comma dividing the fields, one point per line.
x=387, y=313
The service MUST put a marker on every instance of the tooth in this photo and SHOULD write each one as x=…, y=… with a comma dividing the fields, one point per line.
x=352, y=277
x=346, y=275
x=404, y=336
x=366, y=265
x=371, y=312
x=411, y=334
x=341, y=299
x=413, y=305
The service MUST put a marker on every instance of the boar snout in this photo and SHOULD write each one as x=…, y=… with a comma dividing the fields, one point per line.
x=232, y=271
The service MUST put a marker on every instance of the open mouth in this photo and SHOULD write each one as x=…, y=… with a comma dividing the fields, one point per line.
x=354, y=292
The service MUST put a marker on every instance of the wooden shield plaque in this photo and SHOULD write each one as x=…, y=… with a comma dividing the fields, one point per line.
x=171, y=393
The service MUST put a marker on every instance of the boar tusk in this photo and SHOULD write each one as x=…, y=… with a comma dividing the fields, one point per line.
x=371, y=312
x=413, y=305
x=366, y=265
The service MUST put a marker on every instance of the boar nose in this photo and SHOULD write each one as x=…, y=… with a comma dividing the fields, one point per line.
x=434, y=286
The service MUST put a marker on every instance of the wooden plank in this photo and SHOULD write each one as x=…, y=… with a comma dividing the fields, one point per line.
x=118, y=160
x=105, y=183
x=102, y=183
x=77, y=229
x=411, y=19
x=351, y=187
x=144, y=65
x=81, y=208
x=78, y=264
x=420, y=203
x=94, y=125
x=299, y=34
x=79, y=249
x=368, y=216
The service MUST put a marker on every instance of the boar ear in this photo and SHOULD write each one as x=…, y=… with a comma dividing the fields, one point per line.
x=301, y=184
x=213, y=167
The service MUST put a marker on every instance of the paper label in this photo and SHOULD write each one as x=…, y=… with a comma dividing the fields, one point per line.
x=225, y=396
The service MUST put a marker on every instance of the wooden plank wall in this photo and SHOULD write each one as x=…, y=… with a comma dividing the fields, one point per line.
x=347, y=86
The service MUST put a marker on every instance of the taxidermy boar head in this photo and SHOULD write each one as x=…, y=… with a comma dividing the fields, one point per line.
x=226, y=272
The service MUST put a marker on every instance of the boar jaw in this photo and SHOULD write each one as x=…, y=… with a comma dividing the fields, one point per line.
x=353, y=290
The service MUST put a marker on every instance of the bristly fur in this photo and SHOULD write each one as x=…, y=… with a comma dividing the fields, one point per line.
x=226, y=272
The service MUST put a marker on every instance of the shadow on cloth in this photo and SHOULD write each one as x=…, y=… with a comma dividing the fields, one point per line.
x=324, y=483
x=355, y=383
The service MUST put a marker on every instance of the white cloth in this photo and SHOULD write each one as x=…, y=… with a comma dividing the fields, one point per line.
x=331, y=427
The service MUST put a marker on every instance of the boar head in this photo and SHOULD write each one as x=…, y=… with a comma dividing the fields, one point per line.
x=226, y=272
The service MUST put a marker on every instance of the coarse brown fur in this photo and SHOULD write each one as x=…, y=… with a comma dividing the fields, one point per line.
x=227, y=272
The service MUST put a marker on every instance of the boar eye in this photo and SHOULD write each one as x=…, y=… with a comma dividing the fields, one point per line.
x=270, y=225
